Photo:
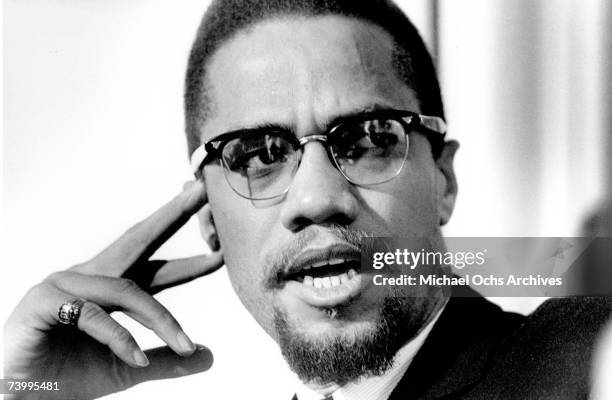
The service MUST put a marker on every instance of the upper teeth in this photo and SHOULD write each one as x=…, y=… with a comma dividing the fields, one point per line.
x=330, y=281
x=332, y=261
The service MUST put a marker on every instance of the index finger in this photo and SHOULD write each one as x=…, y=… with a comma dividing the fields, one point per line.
x=143, y=239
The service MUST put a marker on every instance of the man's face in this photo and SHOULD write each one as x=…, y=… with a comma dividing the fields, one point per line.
x=304, y=73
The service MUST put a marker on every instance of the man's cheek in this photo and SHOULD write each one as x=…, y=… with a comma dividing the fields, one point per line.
x=417, y=198
x=232, y=225
x=248, y=285
x=402, y=210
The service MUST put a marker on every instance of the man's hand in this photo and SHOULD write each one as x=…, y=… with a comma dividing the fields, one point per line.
x=101, y=356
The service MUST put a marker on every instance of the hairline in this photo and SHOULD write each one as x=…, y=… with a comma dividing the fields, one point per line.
x=410, y=57
x=205, y=94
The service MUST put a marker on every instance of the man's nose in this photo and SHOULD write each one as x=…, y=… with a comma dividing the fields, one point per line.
x=319, y=193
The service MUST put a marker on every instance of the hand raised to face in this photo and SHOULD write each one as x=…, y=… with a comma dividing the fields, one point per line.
x=98, y=356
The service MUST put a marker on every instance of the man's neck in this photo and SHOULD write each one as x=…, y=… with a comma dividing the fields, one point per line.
x=323, y=389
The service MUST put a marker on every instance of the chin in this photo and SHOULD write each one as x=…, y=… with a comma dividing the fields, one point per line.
x=334, y=324
x=342, y=344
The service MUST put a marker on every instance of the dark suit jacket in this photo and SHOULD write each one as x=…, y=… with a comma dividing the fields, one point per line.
x=478, y=351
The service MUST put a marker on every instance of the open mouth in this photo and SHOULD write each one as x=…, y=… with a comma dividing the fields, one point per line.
x=324, y=277
x=327, y=274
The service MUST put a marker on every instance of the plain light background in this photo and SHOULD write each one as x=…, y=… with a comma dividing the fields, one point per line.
x=93, y=142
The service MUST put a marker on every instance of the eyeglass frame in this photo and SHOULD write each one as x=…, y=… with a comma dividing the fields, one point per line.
x=433, y=127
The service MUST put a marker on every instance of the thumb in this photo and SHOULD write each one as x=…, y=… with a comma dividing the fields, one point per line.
x=166, y=364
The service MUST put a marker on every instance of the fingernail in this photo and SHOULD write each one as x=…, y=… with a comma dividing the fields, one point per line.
x=185, y=344
x=140, y=358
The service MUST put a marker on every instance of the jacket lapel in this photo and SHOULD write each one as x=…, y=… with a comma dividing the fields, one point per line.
x=455, y=355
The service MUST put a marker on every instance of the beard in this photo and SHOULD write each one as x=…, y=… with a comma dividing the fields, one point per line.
x=341, y=355
x=345, y=357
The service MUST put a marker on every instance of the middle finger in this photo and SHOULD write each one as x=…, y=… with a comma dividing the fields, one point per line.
x=131, y=299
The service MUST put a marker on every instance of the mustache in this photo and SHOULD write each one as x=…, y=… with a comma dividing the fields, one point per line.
x=277, y=262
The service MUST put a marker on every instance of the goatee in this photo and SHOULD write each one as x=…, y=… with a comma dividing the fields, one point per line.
x=342, y=358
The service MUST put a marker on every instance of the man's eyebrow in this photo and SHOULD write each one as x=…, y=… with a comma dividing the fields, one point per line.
x=267, y=126
x=257, y=128
x=361, y=112
x=277, y=126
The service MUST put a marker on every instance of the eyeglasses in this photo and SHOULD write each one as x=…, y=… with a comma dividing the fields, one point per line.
x=367, y=149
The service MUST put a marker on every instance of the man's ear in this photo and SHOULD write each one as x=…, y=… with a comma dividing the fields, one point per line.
x=447, y=185
x=206, y=223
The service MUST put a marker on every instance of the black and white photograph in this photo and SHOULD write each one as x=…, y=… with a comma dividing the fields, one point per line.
x=306, y=199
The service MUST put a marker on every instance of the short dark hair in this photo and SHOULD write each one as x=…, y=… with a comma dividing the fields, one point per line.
x=225, y=18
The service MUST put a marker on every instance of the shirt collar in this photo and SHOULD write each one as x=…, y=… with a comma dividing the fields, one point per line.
x=375, y=387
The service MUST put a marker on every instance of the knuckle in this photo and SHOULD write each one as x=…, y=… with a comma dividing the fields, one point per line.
x=120, y=334
x=127, y=286
x=134, y=235
x=56, y=276
x=38, y=291
x=92, y=312
x=165, y=319
x=34, y=297
x=92, y=316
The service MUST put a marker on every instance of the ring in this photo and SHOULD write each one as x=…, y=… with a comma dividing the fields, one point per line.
x=70, y=311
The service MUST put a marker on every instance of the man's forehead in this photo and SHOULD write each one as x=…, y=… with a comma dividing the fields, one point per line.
x=302, y=71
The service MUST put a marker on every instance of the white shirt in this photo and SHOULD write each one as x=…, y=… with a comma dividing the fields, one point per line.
x=376, y=387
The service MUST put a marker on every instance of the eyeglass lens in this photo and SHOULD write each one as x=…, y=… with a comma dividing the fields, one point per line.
x=262, y=165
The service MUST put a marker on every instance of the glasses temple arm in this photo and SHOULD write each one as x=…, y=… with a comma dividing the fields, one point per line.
x=197, y=159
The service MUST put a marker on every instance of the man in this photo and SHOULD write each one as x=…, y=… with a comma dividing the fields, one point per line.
x=311, y=125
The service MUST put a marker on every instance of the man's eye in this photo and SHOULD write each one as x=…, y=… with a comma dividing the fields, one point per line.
x=256, y=154
x=382, y=133
x=374, y=138
x=383, y=139
x=271, y=154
